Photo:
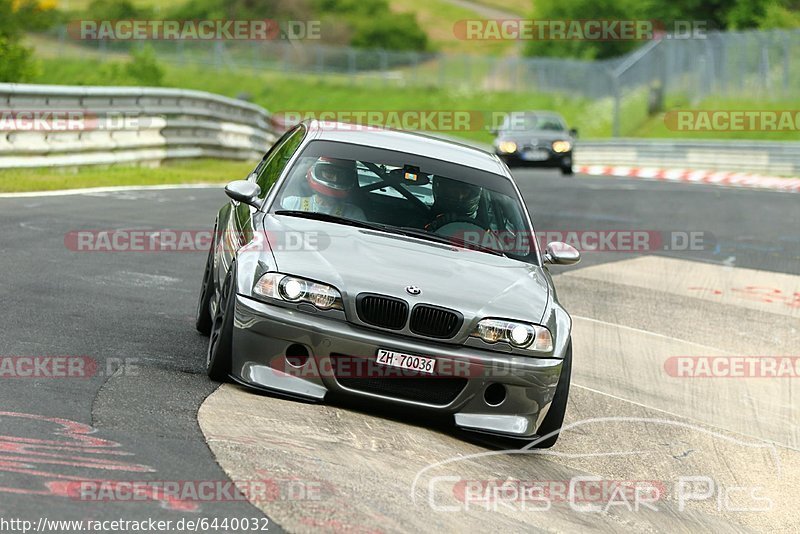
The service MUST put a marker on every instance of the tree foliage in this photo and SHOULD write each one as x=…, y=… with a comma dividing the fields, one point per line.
x=711, y=14
x=16, y=61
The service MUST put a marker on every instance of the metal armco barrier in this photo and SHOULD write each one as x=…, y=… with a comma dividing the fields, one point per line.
x=145, y=126
x=765, y=157
x=51, y=125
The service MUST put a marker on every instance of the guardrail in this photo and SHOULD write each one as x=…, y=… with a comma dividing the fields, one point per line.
x=52, y=125
x=145, y=126
x=764, y=157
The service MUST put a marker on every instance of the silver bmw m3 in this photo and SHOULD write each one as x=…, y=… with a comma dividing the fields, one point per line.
x=392, y=267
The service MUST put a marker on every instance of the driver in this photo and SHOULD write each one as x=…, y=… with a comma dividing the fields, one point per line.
x=332, y=182
x=453, y=201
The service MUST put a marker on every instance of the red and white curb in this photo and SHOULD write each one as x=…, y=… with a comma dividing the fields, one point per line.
x=731, y=179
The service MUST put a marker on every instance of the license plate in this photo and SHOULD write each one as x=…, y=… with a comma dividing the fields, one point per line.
x=406, y=361
x=535, y=155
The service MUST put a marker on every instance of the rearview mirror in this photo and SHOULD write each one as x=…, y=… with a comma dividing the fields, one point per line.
x=573, y=132
x=559, y=253
x=244, y=191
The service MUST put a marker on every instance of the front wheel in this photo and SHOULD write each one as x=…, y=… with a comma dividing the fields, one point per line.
x=220, y=342
x=203, y=320
x=566, y=170
x=555, y=416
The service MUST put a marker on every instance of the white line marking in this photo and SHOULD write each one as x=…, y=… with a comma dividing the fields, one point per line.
x=666, y=412
x=648, y=332
x=89, y=190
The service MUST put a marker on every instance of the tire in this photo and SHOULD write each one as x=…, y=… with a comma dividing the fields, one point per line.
x=203, y=320
x=555, y=416
x=220, y=340
x=567, y=171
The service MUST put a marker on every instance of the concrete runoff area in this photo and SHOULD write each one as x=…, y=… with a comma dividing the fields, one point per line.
x=719, y=451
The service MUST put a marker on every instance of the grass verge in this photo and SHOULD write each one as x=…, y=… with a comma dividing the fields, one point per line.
x=278, y=92
x=181, y=172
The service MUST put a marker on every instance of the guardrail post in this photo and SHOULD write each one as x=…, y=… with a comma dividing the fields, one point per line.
x=217, y=54
x=320, y=60
x=616, y=91
x=62, y=37
x=384, y=66
x=351, y=65
x=786, y=52
x=286, y=52
x=764, y=66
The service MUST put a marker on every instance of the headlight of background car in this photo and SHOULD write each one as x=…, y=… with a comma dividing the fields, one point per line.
x=507, y=147
x=520, y=335
x=293, y=289
x=561, y=146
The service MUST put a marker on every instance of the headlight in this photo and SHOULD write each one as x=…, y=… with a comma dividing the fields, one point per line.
x=292, y=289
x=507, y=147
x=520, y=335
x=561, y=146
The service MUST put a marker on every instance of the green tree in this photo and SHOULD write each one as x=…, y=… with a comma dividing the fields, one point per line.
x=361, y=23
x=144, y=67
x=117, y=10
x=575, y=10
x=16, y=61
x=780, y=15
x=405, y=34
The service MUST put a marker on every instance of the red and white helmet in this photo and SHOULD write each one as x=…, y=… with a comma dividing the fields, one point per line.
x=333, y=177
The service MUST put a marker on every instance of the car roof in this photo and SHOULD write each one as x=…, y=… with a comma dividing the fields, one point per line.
x=403, y=141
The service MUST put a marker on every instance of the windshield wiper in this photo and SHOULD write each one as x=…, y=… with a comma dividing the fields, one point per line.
x=423, y=234
x=317, y=216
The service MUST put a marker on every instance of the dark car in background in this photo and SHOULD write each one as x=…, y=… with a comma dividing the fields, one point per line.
x=536, y=139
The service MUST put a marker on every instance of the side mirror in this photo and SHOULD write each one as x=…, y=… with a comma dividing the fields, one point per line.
x=573, y=132
x=559, y=253
x=244, y=191
x=494, y=131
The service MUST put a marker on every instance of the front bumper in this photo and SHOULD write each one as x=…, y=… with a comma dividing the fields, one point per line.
x=264, y=333
x=555, y=159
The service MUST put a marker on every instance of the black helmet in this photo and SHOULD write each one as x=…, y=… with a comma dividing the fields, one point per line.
x=453, y=196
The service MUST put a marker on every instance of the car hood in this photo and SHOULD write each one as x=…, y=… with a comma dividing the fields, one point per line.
x=356, y=260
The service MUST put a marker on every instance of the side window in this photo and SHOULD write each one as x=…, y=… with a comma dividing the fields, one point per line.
x=270, y=169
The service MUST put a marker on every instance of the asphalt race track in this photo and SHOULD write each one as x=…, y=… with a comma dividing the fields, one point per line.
x=716, y=453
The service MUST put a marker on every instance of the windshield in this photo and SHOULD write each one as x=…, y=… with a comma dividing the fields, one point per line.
x=407, y=193
x=533, y=121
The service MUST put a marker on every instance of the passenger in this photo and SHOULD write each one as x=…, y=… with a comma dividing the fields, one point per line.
x=453, y=201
